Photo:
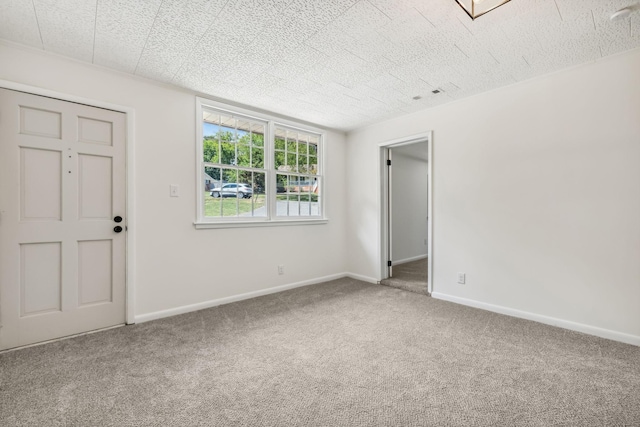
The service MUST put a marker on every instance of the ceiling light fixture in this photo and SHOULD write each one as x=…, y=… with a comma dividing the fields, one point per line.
x=624, y=12
x=475, y=8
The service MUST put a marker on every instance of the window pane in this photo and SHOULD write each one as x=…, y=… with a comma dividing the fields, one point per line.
x=279, y=161
x=228, y=151
x=302, y=149
x=256, y=205
x=244, y=138
x=292, y=145
x=294, y=196
x=244, y=177
x=227, y=128
x=211, y=178
x=257, y=135
x=212, y=206
x=305, y=206
x=210, y=149
x=244, y=156
x=294, y=185
x=244, y=127
x=313, y=149
x=229, y=176
x=280, y=135
x=259, y=184
x=229, y=206
x=212, y=184
x=305, y=187
x=314, y=198
x=313, y=165
x=302, y=157
x=281, y=183
x=229, y=193
x=211, y=119
x=291, y=162
x=257, y=158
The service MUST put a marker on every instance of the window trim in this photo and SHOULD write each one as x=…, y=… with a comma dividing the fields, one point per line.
x=271, y=121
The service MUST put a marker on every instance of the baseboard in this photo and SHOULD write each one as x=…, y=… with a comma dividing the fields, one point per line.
x=566, y=324
x=406, y=260
x=361, y=277
x=221, y=301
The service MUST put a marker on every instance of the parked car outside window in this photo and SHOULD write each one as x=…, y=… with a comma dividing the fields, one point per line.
x=241, y=191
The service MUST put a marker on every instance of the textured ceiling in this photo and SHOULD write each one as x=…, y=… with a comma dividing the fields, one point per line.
x=336, y=63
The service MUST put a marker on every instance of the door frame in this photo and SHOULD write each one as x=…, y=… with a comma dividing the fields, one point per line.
x=384, y=202
x=129, y=178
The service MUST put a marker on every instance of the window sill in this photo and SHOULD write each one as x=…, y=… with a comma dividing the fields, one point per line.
x=249, y=224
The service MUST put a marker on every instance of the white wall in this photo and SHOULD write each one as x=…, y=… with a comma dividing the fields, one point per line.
x=177, y=265
x=536, y=197
x=409, y=206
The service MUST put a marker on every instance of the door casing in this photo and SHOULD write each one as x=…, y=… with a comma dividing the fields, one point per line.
x=384, y=202
x=129, y=178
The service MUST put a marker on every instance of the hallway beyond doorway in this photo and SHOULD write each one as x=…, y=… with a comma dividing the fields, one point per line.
x=410, y=276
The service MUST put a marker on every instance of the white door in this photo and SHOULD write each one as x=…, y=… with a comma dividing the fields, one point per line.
x=62, y=185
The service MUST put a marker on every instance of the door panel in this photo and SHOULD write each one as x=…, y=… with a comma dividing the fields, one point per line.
x=95, y=175
x=40, y=184
x=95, y=131
x=94, y=272
x=62, y=181
x=34, y=121
x=40, y=278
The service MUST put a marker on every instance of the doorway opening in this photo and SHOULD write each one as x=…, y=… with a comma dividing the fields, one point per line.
x=406, y=250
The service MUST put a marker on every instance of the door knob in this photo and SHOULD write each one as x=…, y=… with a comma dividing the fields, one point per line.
x=118, y=219
x=117, y=229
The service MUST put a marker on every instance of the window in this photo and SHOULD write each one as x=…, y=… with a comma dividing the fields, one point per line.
x=255, y=170
x=297, y=179
x=233, y=165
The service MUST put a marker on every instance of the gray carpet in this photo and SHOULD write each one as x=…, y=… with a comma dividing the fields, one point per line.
x=410, y=276
x=343, y=353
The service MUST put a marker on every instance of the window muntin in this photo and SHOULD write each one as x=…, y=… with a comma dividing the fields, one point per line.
x=279, y=163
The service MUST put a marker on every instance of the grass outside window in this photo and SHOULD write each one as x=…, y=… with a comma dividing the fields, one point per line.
x=232, y=206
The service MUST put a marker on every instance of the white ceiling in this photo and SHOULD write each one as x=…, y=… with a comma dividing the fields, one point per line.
x=336, y=63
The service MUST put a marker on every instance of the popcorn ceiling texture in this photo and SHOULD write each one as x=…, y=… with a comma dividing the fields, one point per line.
x=337, y=63
x=341, y=353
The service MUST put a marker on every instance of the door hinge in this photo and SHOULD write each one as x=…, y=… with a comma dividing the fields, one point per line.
x=388, y=263
x=388, y=162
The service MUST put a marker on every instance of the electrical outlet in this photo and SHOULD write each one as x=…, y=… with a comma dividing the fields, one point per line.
x=281, y=269
x=174, y=190
x=462, y=278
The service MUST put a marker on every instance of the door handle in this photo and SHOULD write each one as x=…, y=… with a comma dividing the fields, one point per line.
x=118, y=218
x=117, y=229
